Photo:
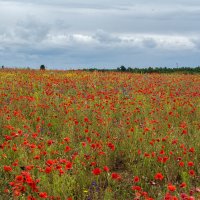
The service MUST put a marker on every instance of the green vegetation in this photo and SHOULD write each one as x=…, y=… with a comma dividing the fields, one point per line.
x=187, y=70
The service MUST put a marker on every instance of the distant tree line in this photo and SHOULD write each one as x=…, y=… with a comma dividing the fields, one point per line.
x=122, y=68
x=188, y=70
x=42, y=67
x=160, y=70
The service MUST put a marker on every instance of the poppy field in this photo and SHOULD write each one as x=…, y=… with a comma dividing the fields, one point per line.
x=76, y=135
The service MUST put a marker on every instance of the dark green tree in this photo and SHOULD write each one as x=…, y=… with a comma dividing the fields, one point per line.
x=122, y=68
x=42, y=67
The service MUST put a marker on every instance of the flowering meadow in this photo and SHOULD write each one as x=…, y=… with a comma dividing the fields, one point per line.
x=74, y=135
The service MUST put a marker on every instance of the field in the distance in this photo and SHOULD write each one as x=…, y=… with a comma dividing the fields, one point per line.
x=94, y=136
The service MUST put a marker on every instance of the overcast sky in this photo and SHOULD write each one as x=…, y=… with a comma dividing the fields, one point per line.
x=105, y=33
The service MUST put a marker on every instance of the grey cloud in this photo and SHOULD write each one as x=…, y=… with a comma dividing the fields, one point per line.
x=105, y=37
x=196, y=42
x=31, y=29
x=93, y=32
x=149, y=43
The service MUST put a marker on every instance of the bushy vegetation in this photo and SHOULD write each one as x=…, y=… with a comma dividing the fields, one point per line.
x=92, y=136
x=187, y=70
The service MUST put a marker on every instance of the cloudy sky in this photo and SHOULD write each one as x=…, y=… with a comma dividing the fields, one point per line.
x=105, y=33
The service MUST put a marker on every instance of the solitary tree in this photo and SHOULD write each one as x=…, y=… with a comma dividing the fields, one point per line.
x=122, y=68
x=42, y=67
x=2, y=67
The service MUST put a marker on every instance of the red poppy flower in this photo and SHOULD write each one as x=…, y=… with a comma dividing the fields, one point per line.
x=171, y=187
x=111, y=146
x=67, y=149
x=106, y=169
x=43, y=195
x=19, y=178
x=96, y=171
x=7, y=168
x=31, y=198
x=181, y=164
x=192, y=172
x=136, y=179
x=190, y=164
x=183, y=185
x=136, y=188
x=116, y=176
x=68, y=165
x=159, y=176
x=48, y=170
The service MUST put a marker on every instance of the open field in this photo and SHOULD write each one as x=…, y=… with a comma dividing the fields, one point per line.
x=88, y=136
